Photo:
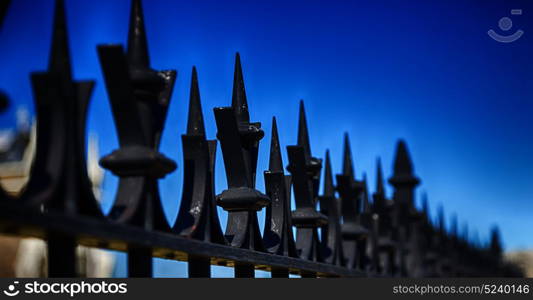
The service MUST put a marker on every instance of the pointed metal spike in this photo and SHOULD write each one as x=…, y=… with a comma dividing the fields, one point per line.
x=425, y=205
x=238, y=100
x=465, y=234
x=137, y=44
x=454, y=226
x=495, y=234
x=495, y=240
x=402, y=161
x=329, y=188
x=347, y=166
x=303, y=132
x=195, y=122
x=366, y=202
x=476, y=242
x=59, y=60
x=440, y=222
x=275, y=163
x=380, y=183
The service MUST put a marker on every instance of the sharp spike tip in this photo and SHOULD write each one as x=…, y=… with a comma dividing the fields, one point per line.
x=366, y=200
x=275, y=163
x=380, y=185
x=402, y=162
x=347, y=166
x=137, y=44
x=425, y=204
x=195, y=121
x=329, y=188
x=59, y=60
x=238, y=100
x=303, y=132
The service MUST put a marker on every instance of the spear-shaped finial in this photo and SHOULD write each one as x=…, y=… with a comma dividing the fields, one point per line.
x=495, y=241
x=380, y=200
x=380, y=181
x=303, y=133
x=195, y=122
x=465, y=233
x=440, y=222
x=476, y=241
x=137, y=44
x=347, y=165
x=275, y=163
x=329, y=188
x=403, y=177
x=59, y=60
x=366, y=202
x=454, y=226
x=402, y=162
x=238, y=100
x=425, y=205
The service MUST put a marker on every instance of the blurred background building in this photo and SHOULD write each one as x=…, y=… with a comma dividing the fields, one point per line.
x=27, y=257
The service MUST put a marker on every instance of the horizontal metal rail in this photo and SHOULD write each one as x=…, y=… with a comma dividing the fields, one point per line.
x=110, y=235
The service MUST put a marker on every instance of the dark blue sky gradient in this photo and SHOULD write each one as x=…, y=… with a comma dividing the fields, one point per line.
x=425, y=71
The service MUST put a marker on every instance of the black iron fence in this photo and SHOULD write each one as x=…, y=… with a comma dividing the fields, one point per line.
x=341, y=233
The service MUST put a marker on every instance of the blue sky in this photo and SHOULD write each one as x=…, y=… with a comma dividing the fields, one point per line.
x=425, y=71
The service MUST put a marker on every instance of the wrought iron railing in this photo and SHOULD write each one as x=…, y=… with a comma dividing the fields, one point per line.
x=348, y=236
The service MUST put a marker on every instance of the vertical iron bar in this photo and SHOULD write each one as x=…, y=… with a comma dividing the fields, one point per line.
x=278, y=236
x=331, y=242
x=279, y=273
x=199, y=267
x=308, y=275
x=351, y=193
x=139, y=98
x=239, y=140
x=243, y=270
x=305, y=171
x=404, y=182
x=61, y=256
x=139, y=262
